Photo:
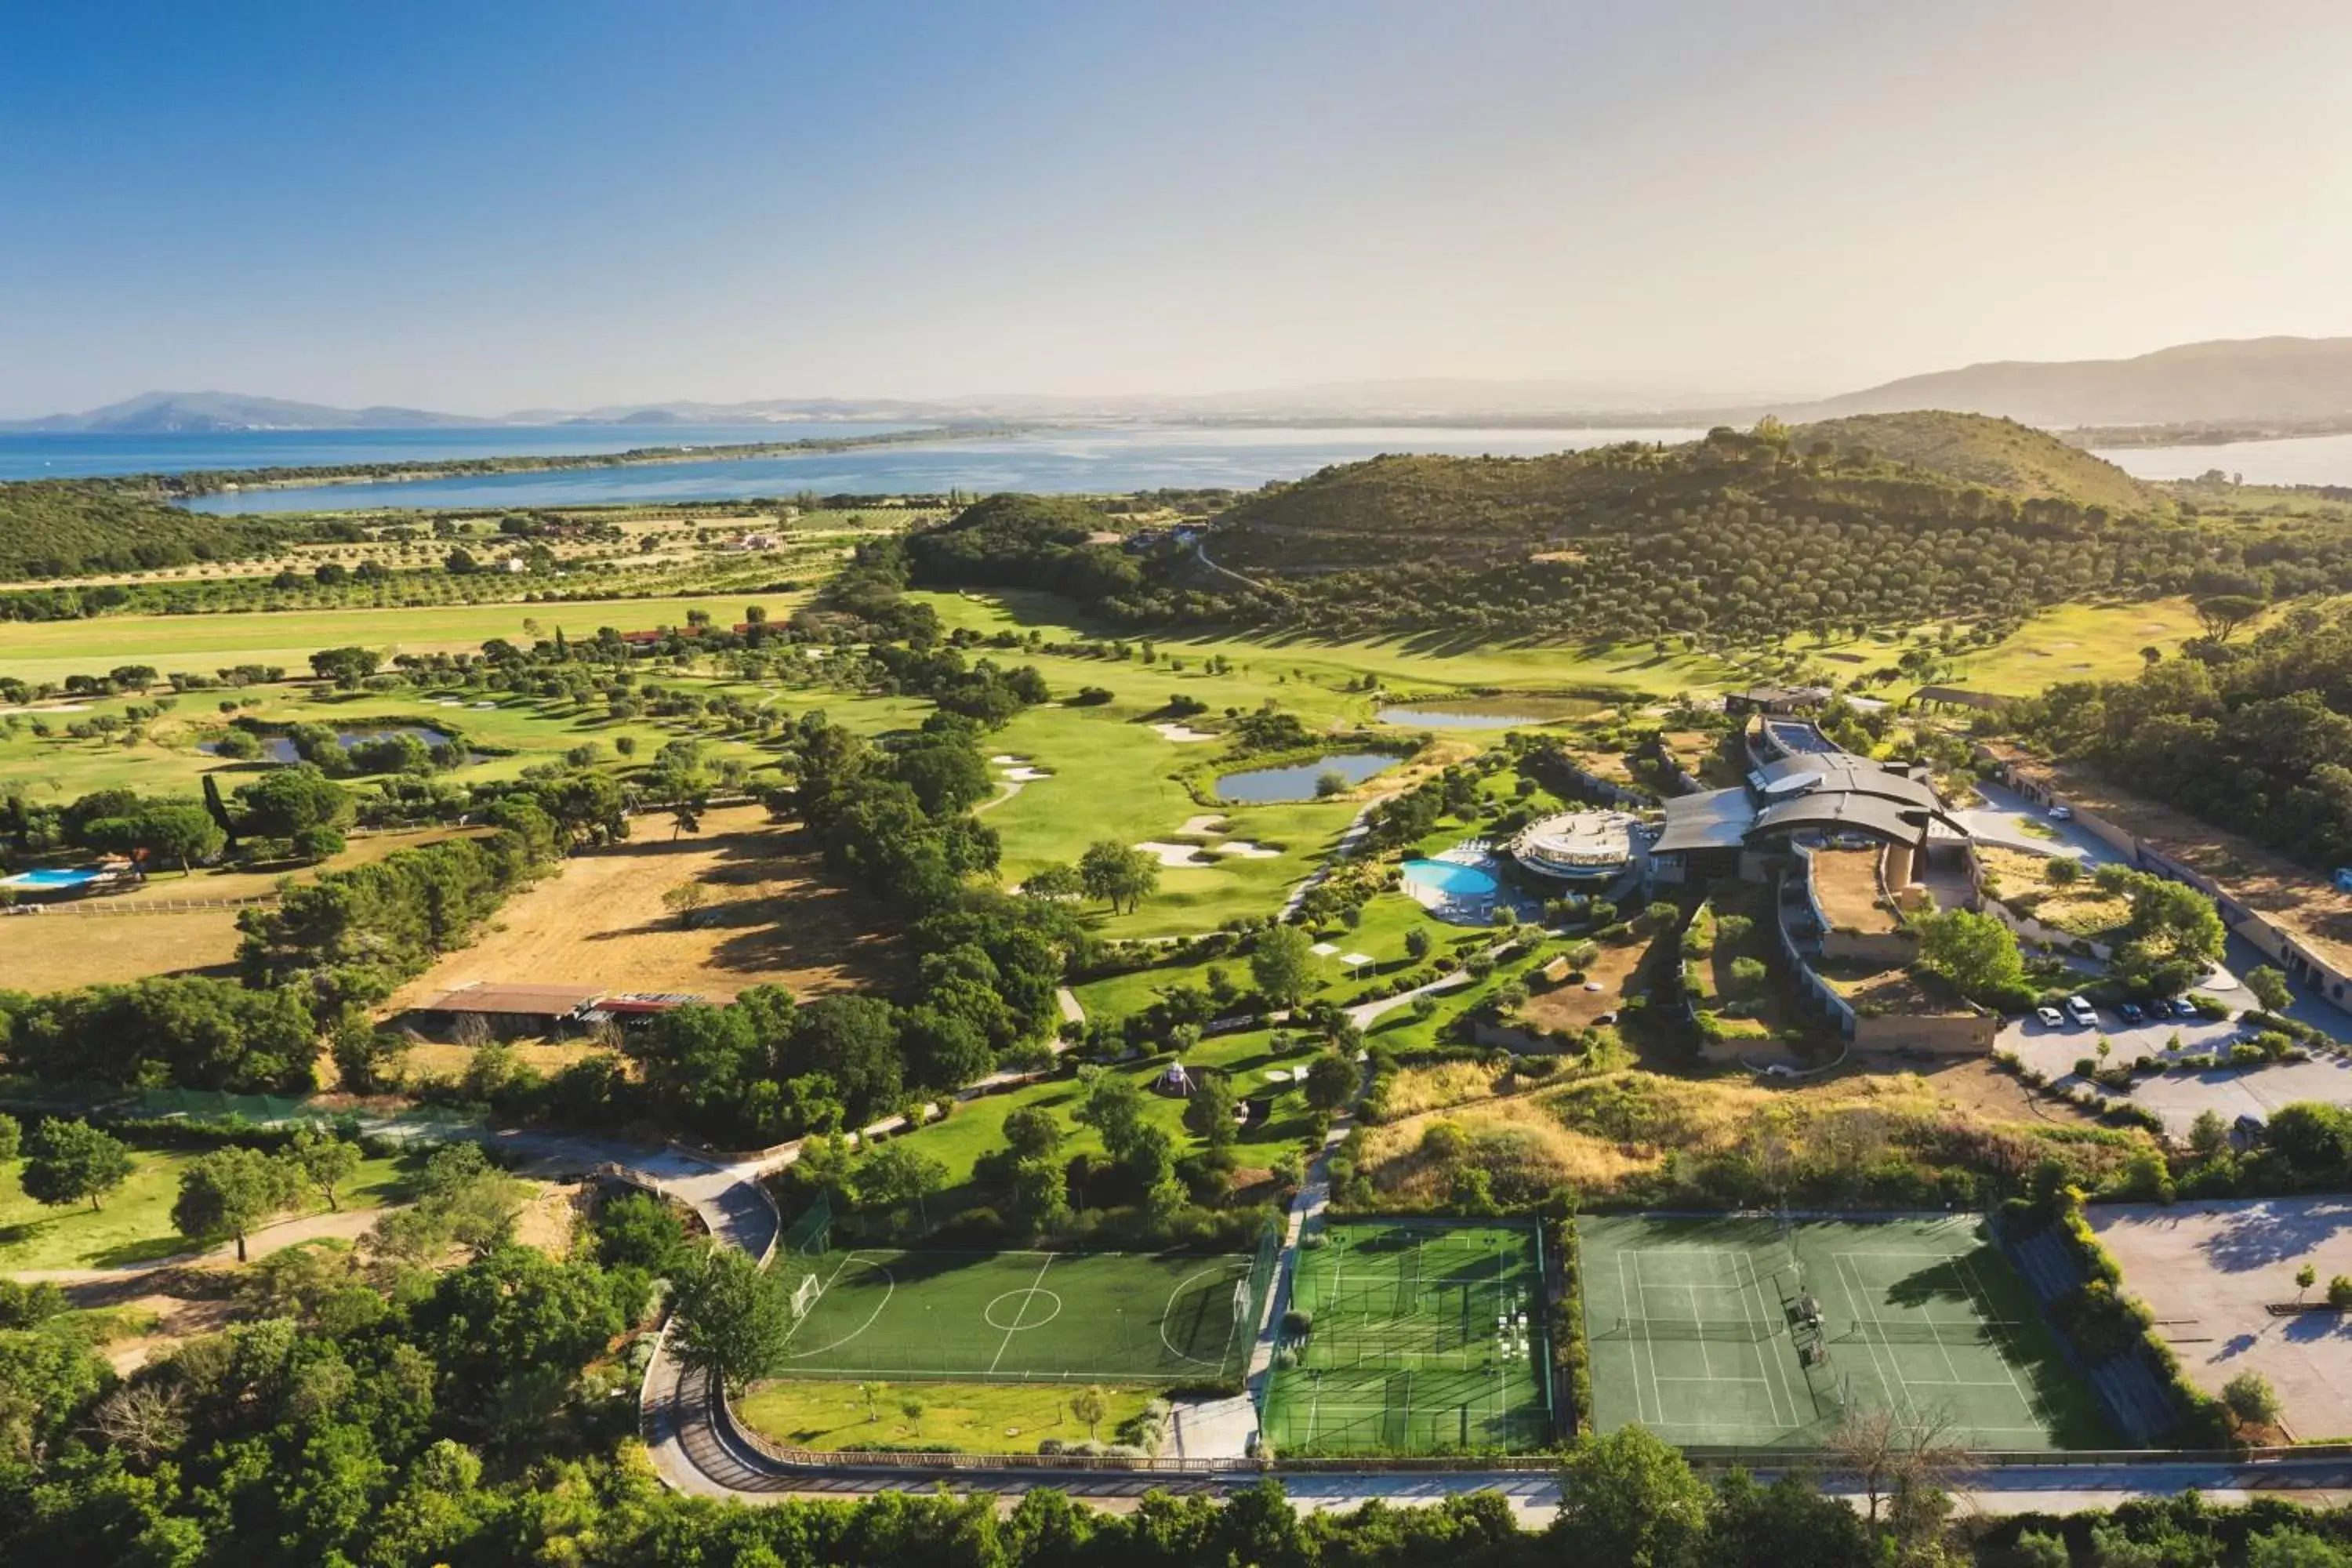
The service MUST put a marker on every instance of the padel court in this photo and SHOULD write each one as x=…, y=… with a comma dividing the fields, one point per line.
x=1423, y=1337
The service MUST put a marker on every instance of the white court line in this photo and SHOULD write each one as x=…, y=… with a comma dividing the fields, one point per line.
x=1748, y=1315
x=1033, y=1284
x=1624, y=1295
x=1764, y=1382
x=845, y=1259
x=1976, y=1288
x=1894, y=1392
x=1753, y=1290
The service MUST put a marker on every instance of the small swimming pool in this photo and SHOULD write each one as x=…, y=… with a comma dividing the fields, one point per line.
x=1453, y=880
x=49, y=877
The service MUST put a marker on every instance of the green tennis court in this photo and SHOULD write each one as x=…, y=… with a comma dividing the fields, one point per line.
x=1423, y=1338
x=1021, y=1316
x=1748, y=1332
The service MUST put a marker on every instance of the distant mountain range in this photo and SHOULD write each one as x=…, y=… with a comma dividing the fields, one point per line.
x=2232, y=383
x=200, y=413
x=2228, y=381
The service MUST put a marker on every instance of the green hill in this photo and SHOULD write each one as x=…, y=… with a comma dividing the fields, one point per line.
x=68, y=528
x=1999, y=453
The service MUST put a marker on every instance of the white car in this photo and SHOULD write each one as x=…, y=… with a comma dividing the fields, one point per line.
x=2081, y=1012
x=2050, y=1018
x=2061, y=813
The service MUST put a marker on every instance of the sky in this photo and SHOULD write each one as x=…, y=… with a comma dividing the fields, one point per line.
x=479, y=208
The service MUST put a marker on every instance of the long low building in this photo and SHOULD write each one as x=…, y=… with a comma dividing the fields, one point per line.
x=517, y=1007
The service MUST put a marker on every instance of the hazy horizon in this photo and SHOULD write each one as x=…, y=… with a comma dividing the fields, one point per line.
x=541, y=206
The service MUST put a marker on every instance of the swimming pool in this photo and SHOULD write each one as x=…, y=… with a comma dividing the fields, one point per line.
x=49, y=877
x=1453, y=880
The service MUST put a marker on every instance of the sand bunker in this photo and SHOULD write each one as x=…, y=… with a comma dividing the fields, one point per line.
x=1201, y=826
x=1176, y=856
x=1006, y=760
x=1182, y=734
x=1245, y=850
x=1026, y=775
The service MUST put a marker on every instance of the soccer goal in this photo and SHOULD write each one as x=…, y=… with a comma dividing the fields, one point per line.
x=805, y=1295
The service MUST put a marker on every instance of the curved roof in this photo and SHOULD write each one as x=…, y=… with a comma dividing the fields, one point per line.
x=1845, y=812
x=1712, y=819
x=1843, y=774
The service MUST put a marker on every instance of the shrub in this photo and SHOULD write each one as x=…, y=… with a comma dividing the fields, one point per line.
x=2339, y=1291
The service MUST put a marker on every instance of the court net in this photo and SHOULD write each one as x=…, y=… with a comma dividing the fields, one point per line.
x=1911, y=1331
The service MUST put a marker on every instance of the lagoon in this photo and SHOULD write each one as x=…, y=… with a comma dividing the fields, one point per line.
x=1120, y=459
x=2296, y=460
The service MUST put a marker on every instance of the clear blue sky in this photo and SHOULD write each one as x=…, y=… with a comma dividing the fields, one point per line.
x=485, y=207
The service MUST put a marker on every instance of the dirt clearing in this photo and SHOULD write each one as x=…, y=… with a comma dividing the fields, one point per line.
x=768, y=917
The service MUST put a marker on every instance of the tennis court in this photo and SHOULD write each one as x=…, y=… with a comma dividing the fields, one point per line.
x=1754, y=1332
x=1425, y=1338
x=1080, y=1317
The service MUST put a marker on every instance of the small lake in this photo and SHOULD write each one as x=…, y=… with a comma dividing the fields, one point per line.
x=1469, y=714
x=1272, y=786
x=281, y=748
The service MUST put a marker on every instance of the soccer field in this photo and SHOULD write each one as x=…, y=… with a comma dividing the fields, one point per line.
x=1741, y=1333
x=1423, y=1338
x=1080, y=1317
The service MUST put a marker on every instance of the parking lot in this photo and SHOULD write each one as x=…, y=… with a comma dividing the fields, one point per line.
x=2208, y=1269
x=2181, y=1097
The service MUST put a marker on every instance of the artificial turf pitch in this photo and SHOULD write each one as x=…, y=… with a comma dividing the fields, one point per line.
x=1696, y=1330
x=1079, y=1317
x=1423, y=1338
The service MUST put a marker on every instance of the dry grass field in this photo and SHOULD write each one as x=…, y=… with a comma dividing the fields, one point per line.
x=770, y=919
x=1570, y=1006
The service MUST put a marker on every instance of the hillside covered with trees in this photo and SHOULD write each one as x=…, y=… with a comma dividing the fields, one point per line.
x=65, y=528
x=2253, y=736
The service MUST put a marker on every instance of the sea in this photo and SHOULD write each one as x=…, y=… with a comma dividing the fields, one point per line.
x=1087, y=459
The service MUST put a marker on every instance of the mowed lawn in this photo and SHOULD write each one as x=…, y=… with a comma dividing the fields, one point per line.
x=1636, y=668
x=135, y=1225
x=970, y=1418
x=51, y=650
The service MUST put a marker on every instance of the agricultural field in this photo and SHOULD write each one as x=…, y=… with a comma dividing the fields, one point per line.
x=135, y=1224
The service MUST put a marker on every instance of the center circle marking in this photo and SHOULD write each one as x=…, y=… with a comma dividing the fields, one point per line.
x=1016, y=1315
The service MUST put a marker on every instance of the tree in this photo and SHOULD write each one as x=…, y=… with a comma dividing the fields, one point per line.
x=2305, y=1278
x=1058, y=880
x=686, y=901
x=2061, y=870
x=729, y=1320
x=232, y=1190
x=2223, y=614
x=325, y=1161
x=1122, y=877
x=2209, y=1135
x=898, y=1175
x=2270, y=988
x=1282, y=964
x=284, y=801
x=872, y=1393
x=1976, y=952
x=1790, y=1521
x=1033, y=1133
x=1041, y=1194
x=12, y=1136
x=346, y=666
x=1209, y=1114
x=2339, y=1291
x=1630, y=1498
x=1416, y=944
x=181, y=833
x=2250, y=1399
x=66, y=1162
x=1089, y=1404
x=1331, y=1081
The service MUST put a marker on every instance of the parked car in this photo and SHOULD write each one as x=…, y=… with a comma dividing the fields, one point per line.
x=2129, y=1012
x=2061, y=813
x=2081, y=1012
x=2051, y=1018
x=2182, y=1007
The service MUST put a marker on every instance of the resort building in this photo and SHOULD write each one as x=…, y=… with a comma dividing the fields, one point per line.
x=1589, y=849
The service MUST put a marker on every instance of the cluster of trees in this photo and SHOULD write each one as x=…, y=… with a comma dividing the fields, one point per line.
x=69, y=528
x=2255, y=736
x=1026, y=541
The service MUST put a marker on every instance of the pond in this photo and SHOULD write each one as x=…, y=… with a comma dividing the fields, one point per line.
x=1270, y=786
x=281, y=748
